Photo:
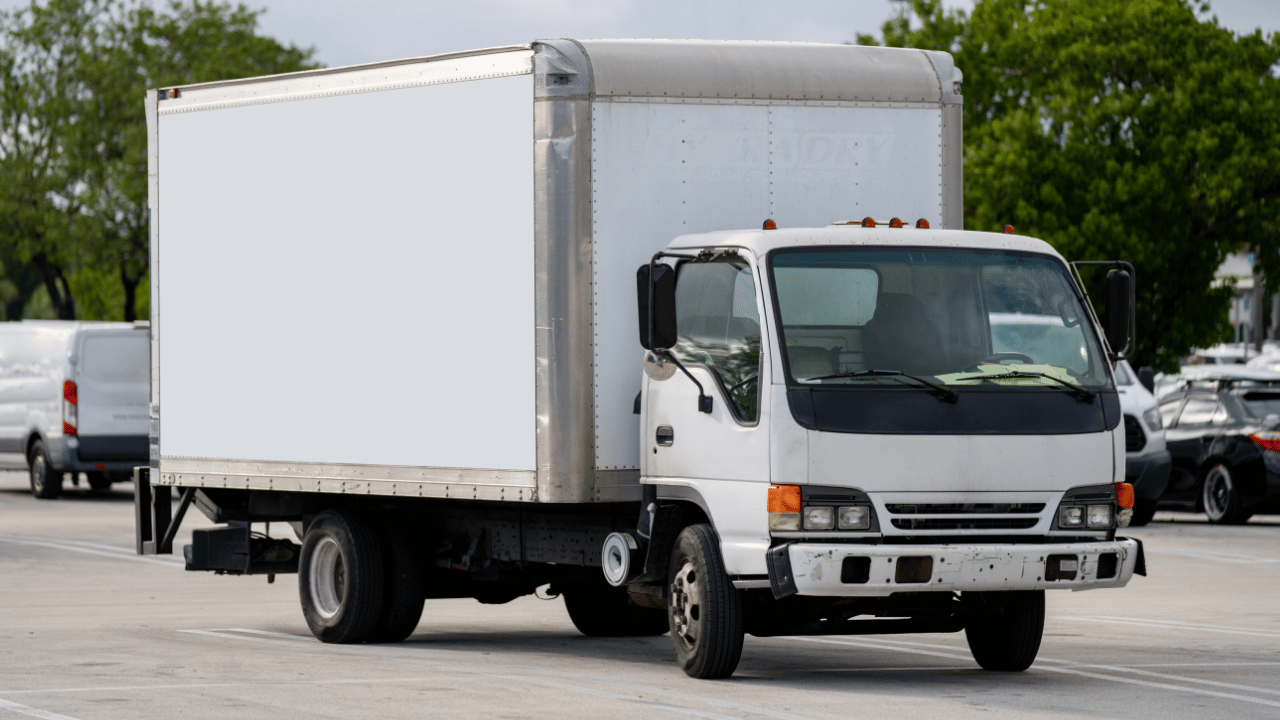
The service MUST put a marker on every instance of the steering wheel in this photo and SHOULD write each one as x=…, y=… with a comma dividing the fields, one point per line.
x=998, y=357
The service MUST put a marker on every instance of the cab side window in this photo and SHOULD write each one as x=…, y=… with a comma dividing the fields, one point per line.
x=1169, y=411
x=718, y=326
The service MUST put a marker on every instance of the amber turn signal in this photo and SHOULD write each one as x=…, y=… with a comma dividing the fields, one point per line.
x=1124, y=495
x=770, y=225
x=784, y=498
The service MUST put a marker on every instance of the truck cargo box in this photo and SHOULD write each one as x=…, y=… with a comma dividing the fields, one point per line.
x=417, y=277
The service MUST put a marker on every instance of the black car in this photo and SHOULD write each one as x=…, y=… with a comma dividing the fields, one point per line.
x=1224, y=436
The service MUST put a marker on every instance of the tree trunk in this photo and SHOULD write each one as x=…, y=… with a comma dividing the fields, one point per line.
x=56, y=283
x=130, y=294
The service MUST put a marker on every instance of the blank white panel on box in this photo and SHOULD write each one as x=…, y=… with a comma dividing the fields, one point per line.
x=350, y=279
x=847, y=163
x=659, y=171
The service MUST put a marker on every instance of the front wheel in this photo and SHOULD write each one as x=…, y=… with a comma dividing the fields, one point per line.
x=340, y=578
x=1004, y=628
x=1220, y=497
x=599, y=609
x=1143, y=512
x=706, y=611
x=46, y=483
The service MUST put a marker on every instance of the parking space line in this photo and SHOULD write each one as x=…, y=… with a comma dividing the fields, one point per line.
x=33, y=712
x=196, y=686
x=113, y=553
x=1223, y=557
x=1173, y=625
x=451, y=661
x=1057, y=666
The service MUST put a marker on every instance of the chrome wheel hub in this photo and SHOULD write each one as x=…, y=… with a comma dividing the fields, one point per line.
x=328, y=578
x=686, y=603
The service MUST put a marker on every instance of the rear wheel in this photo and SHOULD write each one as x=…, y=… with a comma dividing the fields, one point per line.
x=1143, y=512
x=706, y=611
x=402, y=592
x=46, y=483
x=1004, y=628
x=1220, y=497
x=99, y=481
x=599, y=609
x=340, y=578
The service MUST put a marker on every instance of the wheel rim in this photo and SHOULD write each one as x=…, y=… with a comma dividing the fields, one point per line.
x=38, y=472
x=328, y=578
x=1217, y=492
x=686, y=604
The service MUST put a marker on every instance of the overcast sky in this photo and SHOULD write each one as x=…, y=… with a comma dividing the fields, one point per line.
x=355, y=31
x=346, y=32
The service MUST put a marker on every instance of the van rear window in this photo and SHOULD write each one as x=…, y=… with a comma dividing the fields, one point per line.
x=117, y=358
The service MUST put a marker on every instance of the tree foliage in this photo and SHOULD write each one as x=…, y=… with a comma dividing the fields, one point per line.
x=1124, y=129
x=73, y=135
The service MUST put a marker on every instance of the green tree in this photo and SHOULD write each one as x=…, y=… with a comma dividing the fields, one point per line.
x=86, y=180
x=1121, y=129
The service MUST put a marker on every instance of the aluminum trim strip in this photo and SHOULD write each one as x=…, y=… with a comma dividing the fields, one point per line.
x=564, y=314
x=347, y=81
x=347, y=478
x=153, y=250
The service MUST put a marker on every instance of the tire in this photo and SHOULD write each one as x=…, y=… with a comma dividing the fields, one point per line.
x=340, y=578
x=1220, y=498
x=599, y=609
x=706, y=611
x=46, y=483
x=402, y=592
x=99, y=481
x=1143, y=512
x=1004, y=629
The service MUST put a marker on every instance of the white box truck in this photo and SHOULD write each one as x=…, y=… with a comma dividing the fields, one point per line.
x=823, y=436
x=73, y=399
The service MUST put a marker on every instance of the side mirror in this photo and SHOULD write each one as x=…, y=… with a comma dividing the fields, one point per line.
x=656, y=290
x=1147, y=378
x=1116, y=321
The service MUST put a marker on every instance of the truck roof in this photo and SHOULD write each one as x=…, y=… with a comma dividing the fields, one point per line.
x=763, y=241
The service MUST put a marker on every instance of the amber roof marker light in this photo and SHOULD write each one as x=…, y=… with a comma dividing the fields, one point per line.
x=1008, y=230
x=895, y=223
x=770, y=225
x=922, y=224
x=868, y=222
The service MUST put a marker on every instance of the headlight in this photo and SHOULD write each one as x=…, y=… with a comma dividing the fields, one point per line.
x=1152, y=416
x=1071, y=516
x=857, y=517
x=819, y=518
x=1100, y=516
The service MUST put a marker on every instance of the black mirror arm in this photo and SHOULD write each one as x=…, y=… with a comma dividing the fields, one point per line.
x=1116, y=355
x=704, y=400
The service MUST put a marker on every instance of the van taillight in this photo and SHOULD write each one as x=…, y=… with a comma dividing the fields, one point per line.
x=69, y=402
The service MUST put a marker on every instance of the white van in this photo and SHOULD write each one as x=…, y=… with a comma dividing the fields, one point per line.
x=73, y=398
x=1147, y=460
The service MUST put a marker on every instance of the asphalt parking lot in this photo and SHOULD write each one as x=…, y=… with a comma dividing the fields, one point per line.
x=89, y=630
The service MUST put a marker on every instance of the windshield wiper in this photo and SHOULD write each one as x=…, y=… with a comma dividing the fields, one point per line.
x=1079, y=391
x=942, y=391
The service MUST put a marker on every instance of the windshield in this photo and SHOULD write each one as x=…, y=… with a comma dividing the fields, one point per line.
x=963, y=317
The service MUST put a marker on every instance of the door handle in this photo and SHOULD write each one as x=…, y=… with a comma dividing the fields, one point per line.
x=666, y=436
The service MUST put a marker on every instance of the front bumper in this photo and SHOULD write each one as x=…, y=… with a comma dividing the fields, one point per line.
x=828, y=570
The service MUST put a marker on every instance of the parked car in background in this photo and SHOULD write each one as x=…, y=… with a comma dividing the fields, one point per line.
x=74, y=398
x=1268, y=361
x=1223, y=433
x=1147, y=461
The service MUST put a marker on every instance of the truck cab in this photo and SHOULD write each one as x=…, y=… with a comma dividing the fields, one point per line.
x=911, y=425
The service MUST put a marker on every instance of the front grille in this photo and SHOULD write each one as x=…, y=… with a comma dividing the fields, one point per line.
x=982, y=523
x=1134, y=438
x=965, y=508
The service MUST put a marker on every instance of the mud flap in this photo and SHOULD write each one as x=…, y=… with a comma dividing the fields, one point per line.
x=781, y=579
